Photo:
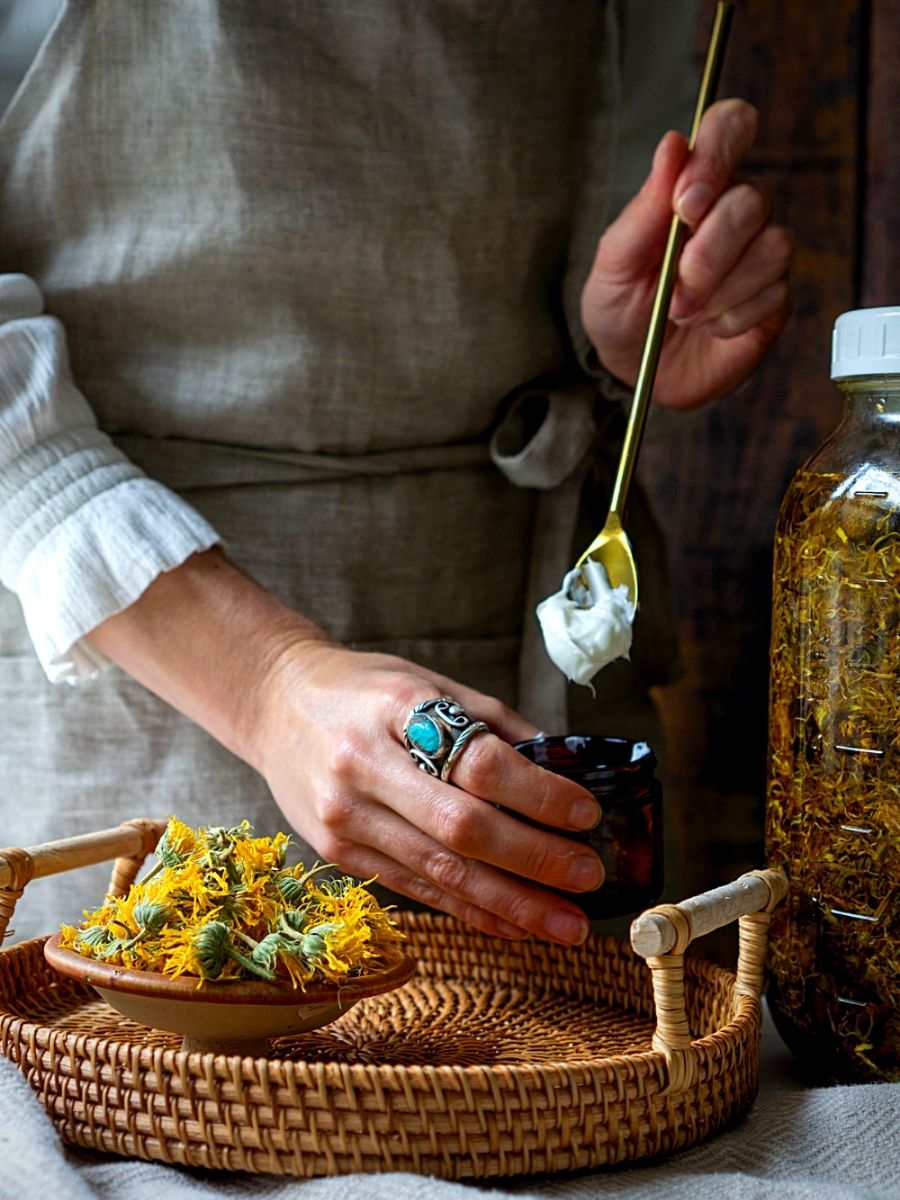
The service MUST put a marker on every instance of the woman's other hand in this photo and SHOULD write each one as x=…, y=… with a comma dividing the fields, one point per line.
x=732, y=295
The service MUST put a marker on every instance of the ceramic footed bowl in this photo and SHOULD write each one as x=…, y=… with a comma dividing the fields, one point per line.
x=233, y=1017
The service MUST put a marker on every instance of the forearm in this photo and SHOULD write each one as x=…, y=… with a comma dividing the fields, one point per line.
x=83, y=531
x=204, y=637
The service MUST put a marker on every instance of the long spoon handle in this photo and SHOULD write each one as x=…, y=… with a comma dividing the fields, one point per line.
x=659, y=315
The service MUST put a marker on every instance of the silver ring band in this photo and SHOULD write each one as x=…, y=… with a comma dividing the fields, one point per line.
x=436, y=733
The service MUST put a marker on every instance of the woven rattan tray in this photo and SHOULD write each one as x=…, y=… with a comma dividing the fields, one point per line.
x=496, y=1059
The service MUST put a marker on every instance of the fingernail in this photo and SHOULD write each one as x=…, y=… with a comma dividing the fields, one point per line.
x=585, y=813
x=694, y=202
x=510, y=931
x=566, y=927
x=725, y=324
x=683, y=304
x=584, y=872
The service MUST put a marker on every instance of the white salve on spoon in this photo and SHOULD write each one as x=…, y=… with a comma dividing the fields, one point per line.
x=587, y=623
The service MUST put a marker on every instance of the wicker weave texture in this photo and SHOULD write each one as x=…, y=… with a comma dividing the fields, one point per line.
x=497, y=1059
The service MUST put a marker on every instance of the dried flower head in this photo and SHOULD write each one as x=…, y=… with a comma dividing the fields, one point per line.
x=221, y=904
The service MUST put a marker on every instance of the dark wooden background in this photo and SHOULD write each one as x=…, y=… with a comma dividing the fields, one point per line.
x=824, y=75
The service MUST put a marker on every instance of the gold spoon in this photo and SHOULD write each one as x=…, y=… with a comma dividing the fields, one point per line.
x=611, y=547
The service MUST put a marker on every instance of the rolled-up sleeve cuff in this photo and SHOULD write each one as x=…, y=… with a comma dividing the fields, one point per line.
x=83, y=532
x=95, y=562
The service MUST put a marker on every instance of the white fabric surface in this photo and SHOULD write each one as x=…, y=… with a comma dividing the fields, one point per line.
x=797, y=1143
x=83, y=531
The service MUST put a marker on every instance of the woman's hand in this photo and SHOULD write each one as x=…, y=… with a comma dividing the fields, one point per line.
x=329, y=743
x=732, y=295
x=324, y=726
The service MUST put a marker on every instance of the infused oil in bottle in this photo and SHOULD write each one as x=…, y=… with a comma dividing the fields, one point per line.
x=833, y=804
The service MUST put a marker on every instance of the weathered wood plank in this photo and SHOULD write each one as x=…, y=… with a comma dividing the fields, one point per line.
x=717, y=479
x=880, y=267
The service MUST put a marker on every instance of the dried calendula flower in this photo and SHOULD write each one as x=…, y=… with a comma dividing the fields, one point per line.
x=221, y=904
x=176, y=843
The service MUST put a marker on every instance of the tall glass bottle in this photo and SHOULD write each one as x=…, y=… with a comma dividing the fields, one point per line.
x=833, y=806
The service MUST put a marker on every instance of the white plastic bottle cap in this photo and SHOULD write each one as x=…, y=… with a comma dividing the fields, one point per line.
x=866, y=342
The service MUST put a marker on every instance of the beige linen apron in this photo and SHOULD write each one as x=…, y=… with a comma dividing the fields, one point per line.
x=303, y=252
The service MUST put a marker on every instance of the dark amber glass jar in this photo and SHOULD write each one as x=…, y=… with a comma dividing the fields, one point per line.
x=620, y=774
x=833, y=807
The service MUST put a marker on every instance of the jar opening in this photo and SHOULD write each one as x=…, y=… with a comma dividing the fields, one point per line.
x=612, y=759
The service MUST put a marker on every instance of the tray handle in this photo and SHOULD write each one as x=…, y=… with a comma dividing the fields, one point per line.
x=128, y=843
x=662, y=934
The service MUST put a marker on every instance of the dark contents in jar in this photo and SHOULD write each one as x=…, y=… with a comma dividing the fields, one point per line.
x=619, y=773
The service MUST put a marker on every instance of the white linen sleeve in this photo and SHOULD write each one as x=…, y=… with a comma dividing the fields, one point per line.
x=83, y=532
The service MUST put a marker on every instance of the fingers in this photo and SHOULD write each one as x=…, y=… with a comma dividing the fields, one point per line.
x=719, y=243
x=502, y=720
x=733, y=354
x=368, y=863
x=493, y=771
x=768, y=309
x=732, y=271
x=633, y=244
x=724, y=217
x=473, y=828
x=715, y=285
x=487, y=898
x=726, y=133
x=725, y=264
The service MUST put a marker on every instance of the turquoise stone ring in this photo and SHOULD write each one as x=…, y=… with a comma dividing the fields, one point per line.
x=424, y=735
x=436, y=732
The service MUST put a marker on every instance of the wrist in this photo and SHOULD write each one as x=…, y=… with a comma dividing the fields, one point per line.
x=610, y=385
x=292, y=662
x=207, y=639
